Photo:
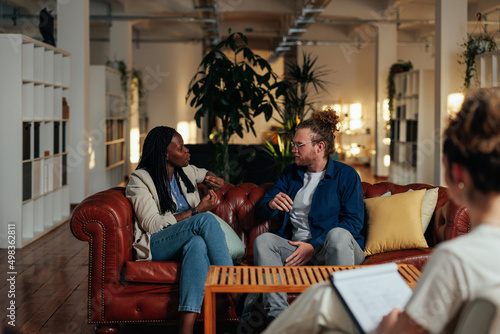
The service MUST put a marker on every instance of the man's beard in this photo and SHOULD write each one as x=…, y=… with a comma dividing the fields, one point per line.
x=303, y=160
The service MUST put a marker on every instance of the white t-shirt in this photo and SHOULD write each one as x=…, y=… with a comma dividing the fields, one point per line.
x=302, y=206
x=455, y=273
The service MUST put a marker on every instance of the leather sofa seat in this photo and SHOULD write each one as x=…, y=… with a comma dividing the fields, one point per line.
x=123, y=290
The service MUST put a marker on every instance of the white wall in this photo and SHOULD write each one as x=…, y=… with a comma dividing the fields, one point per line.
x=99, y=52
x=352, y=79
x=421, y=57
x=167, y=70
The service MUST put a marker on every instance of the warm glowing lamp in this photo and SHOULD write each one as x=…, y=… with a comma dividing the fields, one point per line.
x=454, y=103
x=135, y=145
x=387, y=160
x=386, y=114
x=355, y=111
x=183, y=130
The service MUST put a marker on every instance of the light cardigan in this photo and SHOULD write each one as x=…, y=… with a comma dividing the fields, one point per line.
x=141, y=192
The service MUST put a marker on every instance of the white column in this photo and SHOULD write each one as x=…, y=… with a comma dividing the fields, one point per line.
x=73, y=36
x=451, y=31
x=120, y=48
x=385, y=56
x=120, y=42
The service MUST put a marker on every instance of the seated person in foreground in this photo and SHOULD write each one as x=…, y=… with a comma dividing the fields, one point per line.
x=458, y=269
x=322, y=202
x=172, y=223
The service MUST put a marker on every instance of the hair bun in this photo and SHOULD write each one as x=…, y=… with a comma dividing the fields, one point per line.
x=477, y=125
x=329, y=117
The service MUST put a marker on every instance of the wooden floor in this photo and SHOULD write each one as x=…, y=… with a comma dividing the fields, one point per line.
x=51, y=285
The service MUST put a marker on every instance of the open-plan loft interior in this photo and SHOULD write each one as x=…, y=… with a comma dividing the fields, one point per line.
x=356, y=41
x=271, y=25
x=83, y=82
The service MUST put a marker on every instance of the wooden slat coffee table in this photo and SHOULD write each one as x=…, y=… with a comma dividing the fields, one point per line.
x=273, y=279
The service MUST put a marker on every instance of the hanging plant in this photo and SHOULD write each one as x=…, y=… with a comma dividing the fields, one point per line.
x=135, y=74
x=396, y=68
x=475, y=45
x=120, y=66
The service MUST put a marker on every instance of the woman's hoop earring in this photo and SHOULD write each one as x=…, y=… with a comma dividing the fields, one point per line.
x=461, y=185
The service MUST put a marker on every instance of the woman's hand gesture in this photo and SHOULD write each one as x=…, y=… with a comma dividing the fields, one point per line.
x=213, y=181
x=208, y=202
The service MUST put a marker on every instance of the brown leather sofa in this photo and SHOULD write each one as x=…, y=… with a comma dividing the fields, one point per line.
x=122, y=290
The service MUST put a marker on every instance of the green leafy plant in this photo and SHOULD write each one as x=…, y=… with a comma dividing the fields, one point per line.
x=135, y=74
x=233, y=84
x=396, y=68
x=298, y=85
x=120, y=66
x=475, y=45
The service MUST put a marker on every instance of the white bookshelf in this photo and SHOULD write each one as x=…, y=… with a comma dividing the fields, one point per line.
x=34, y=138
x=488, y=68
x=412, y=128
x=108, y=112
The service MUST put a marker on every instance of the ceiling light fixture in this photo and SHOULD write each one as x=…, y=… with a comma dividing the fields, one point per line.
x=207, y=8
x=283, y=48
x=304, y=20
x=311, y=10
x=296, y=30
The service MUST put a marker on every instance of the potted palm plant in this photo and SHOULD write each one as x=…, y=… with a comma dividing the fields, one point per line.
x=233, y=84
x=295, y=106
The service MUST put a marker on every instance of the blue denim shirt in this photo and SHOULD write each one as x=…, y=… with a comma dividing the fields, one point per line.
x=337, y=201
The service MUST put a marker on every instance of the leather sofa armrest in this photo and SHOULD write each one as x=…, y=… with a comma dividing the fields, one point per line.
x=450, y=222
x=105, y=221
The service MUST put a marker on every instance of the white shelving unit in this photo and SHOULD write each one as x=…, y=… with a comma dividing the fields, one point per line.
x=412, y=128
x=108, y=111
x=34, y=138
x=489, y=69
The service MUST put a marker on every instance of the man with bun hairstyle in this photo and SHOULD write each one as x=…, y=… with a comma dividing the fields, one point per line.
x=322, y=205
x=460, y=270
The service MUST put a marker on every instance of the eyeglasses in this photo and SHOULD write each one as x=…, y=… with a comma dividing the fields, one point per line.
x=297, y=145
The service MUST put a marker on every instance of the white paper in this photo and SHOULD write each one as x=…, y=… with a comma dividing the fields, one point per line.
x=372, y=292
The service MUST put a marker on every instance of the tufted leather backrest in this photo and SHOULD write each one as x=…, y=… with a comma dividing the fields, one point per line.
x=236, y=206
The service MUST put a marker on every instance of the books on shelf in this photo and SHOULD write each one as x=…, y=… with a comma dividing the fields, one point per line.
x=56, y=137
x=26, y=141
x=36, y=140
x=370, y=293
x=26, y=180
x=35, y=82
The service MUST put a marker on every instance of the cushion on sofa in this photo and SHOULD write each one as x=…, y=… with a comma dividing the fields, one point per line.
x=394, y=222
x=234, y=243
x=428, y=206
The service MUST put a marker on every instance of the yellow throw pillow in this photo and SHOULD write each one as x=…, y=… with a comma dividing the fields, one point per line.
x=394, y=222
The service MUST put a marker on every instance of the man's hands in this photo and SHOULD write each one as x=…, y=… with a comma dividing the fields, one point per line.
x=208, y=202
x=302, y=255
x=281, y=202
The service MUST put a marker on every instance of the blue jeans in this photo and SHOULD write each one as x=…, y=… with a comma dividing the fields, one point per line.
x=339, y=249
x=198, y=242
